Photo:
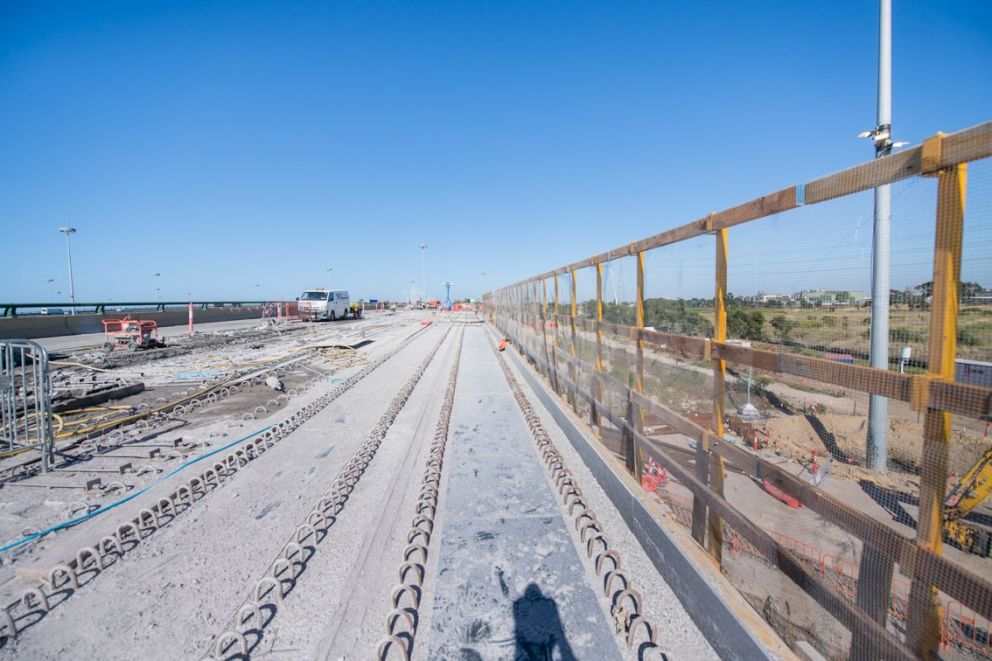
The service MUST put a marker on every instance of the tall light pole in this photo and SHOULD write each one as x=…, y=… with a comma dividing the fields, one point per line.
x=51, y=289
x=423, y=268
x=329, y=269
x=876, y=455
x=68, y=251
x=158, y=292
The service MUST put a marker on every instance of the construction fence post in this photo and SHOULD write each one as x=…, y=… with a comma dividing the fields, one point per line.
x=923, y=630
x=554, y=331
x=637, y=413
x=709, y=467
x=572, y=311
x=594, y=418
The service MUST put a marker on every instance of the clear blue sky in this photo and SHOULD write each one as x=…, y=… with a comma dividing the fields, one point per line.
x=228, y=144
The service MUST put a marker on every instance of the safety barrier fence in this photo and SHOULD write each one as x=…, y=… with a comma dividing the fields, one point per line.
x=599, y=366
x=10, y=309
x=960, y=627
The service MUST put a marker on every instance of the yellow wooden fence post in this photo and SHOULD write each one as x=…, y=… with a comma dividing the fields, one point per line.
x=924, y=610
x=638, y=420
x=554, y=330
x=597, y=394
x=573, y=370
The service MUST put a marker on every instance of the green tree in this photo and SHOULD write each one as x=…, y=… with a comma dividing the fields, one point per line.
x=742, y=324
x=784, y=326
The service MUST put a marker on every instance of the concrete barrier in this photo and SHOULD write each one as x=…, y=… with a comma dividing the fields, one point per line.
x=36, y=326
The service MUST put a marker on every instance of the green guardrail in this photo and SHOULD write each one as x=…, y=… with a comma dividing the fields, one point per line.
x=10, y=309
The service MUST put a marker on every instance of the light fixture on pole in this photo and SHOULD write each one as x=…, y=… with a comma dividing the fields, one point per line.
x=51, y=289
x=158, y=291
x=68, y=251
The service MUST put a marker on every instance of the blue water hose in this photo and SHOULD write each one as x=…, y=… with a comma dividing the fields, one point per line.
x=107, y=508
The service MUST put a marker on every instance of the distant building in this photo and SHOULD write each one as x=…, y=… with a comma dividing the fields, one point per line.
x=830, y=297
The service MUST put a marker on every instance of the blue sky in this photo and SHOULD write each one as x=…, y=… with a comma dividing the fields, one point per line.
x=228, y=144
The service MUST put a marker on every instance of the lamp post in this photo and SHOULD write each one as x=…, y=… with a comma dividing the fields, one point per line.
x=68, y=251
x=51, y=289
x=423, y=267
x=158, y=291
x=876, y=455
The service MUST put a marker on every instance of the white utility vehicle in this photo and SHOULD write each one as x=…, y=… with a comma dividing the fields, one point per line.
x=316, y=304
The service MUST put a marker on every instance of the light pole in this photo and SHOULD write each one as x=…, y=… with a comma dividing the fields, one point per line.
x=423, y=267
x=158, y=292
x=876, y=455
x=329, y=269
x=51, y=289
x=68, y=251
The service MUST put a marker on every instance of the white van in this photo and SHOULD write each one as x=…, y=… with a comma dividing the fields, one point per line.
x=315, y=304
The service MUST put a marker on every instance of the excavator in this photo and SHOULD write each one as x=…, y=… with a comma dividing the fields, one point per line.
x=971, y=491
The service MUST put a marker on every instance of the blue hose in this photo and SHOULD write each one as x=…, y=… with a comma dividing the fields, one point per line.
x=106, y=508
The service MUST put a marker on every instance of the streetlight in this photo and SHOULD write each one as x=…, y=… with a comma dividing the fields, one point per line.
x=158, y=292
x=876, y=455
x=72, y=285
x=423, y=266
x=51, y=290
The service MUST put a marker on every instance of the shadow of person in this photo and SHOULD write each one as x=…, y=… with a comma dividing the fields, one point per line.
x=537, y=628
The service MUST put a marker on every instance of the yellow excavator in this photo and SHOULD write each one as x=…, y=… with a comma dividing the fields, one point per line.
x=970, y=492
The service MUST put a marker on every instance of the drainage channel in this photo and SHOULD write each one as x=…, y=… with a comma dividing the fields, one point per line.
x=68, y=576
x=284, y=572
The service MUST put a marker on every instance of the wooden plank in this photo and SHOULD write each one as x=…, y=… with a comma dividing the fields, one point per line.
x=958, y=398
x=638, y=412
x=716, y=470
x=766, y=205
x=923, y=630
x=692, y=347
x=597, y=394
x=963, y=146
x=961, y=398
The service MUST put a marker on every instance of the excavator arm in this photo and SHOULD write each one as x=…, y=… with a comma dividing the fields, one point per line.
x=970, y=492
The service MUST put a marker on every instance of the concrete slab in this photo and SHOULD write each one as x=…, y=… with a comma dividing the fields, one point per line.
x=509, y=580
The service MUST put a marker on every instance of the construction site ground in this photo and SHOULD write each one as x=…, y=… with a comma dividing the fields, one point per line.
x=506, y=572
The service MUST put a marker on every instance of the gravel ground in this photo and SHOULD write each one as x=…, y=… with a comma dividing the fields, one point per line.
x=170, y=595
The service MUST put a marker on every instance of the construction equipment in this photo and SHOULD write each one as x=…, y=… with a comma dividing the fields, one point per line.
x=970, y=492
x=131, y=333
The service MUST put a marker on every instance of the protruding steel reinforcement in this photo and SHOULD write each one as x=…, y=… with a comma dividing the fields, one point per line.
x=401, y=622
x=624, y=602
x=71, y=574
x=283, y=574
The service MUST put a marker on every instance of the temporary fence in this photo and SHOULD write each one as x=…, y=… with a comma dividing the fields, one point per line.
x=25, y=400
x=769, y=426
